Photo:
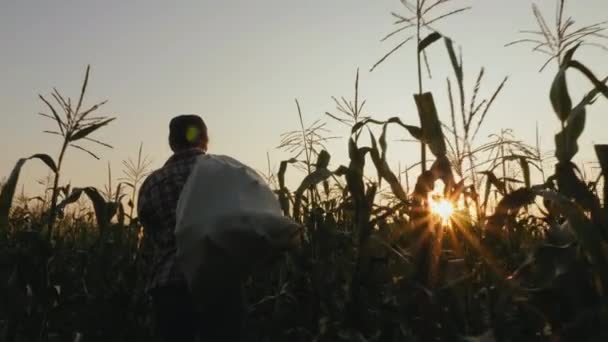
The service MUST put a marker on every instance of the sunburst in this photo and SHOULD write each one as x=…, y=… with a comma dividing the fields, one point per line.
x=440, y=206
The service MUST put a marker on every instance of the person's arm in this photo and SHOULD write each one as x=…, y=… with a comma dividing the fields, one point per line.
x=145, y=212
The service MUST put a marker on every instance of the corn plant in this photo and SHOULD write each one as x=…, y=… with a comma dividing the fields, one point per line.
x=555, y=42
x=75, y=124
x=422, y=17
x=135, y=171
x=307, y=141
x=379, y=262
x=349, y=113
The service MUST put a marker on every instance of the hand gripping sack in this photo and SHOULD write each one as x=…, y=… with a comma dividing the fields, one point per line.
x=228, y=221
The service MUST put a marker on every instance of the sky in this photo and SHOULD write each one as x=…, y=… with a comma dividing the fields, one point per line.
x=241, y=64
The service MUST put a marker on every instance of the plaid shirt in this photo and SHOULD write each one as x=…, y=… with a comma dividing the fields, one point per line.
x=156, y=208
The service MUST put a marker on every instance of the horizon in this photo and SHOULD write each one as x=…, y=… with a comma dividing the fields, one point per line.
x=156, y=61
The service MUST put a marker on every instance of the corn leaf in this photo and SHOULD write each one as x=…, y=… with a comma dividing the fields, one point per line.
x=84, y=132
x=602, y=155
x=48, y=160
x=525, y=167
x=428, y=40
x=386, y=173
x=104, y=211
x=559, y=95
x=8, y=189
x=454, y=60
x=323, y=160
x=431, y=126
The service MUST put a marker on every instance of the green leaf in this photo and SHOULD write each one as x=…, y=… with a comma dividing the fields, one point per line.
x=414, y=131
x=48, y=160
x=431, y=126
x=83, y=90
x=363, y=123
x=510, y=180
x=84, y=132
x=424, y=184
x=6, y=196
x=525, y=167
x=313, y=179
x=500, y=186
x=353, y=150
x=487, y=189
x=71, y=198
x=283, y=170
x=55, y=115
x=382, y=141
x=602, y=155
x=8, y=190
x=570, y=54
x=588, y=234
x=442, y=169
x=381, y=164
x=283, y=192
x=386, y=173
x=599, y=85
x=354, y=180
x=573, y=187
x=576, y=122
x=510, y=204
x=567, y=140
x=85, y=150
x=310, y=181
x=118, y=193
x=375, y=155
x=515, y=200
x=104, y=211
x=65, y=190
x=323, y=160
x=457, y=190
x=428, y=40
x=121, y=214
x=92, y=109
x=559, y=95
x=565, y=147
x=454, y=60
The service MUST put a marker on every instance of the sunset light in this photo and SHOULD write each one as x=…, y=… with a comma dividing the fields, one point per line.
x=442, y=208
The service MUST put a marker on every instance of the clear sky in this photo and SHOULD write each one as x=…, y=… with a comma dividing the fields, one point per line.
x=240, y=64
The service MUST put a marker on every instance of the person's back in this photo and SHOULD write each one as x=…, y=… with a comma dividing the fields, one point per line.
x=175, y=315
x=157, y=203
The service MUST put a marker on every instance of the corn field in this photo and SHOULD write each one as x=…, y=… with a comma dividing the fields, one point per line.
x=475, y=250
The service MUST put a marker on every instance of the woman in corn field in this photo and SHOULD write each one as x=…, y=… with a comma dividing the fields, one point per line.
x=176, y=317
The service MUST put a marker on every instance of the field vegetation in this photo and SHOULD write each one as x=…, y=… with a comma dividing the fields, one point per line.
x=474, y=250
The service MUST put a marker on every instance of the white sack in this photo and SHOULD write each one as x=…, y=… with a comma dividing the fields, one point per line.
x=228, y=220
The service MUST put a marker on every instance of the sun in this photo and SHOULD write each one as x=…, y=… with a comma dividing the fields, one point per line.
x=439, y=205
x=442, y=208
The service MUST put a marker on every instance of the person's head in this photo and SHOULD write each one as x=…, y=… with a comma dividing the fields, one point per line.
x=186, y=132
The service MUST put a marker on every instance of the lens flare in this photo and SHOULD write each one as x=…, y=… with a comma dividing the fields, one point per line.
x=439, y=205
x=442, y=208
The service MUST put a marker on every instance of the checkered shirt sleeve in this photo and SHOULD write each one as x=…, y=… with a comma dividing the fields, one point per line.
x=156, y=208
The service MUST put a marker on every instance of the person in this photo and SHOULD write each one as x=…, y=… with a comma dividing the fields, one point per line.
x=176, y=316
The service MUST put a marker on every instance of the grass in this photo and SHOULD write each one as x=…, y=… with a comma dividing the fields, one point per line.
x=474, y=251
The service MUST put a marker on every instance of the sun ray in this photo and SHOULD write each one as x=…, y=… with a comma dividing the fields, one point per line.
x=439, y=205
x=443, y=209
x=476, y=245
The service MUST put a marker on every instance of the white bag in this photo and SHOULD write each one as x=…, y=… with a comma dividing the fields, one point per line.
x=228, y=221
